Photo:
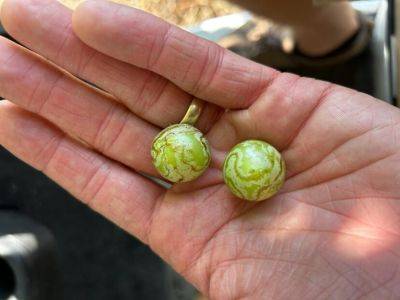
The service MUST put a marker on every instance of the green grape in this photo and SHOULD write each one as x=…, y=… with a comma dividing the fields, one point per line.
x=181, y=153
x=254, y=170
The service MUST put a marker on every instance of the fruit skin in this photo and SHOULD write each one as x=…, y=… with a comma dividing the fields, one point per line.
x=181, y=153
x=254, y=170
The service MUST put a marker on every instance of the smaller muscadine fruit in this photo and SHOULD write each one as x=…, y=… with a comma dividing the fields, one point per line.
x=181, y=153
x=254, y=170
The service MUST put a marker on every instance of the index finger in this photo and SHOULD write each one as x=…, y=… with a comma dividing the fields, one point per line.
x=198, y=66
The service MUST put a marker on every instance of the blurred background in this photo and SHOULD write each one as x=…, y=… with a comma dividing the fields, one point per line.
x=53, y=247
x=180, y=12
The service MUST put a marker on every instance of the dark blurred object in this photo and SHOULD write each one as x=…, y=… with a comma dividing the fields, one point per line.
x=2, y=32
x=275, y=45
x=373, y=72
x=28, y=264
x=97, y=260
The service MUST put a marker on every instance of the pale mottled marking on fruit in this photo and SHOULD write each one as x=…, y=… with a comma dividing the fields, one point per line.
x=254, y=170
x=181, y=153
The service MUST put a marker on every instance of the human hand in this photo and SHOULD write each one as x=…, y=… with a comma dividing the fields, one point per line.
x=332, y=232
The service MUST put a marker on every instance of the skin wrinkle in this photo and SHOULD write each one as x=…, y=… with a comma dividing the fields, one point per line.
x=312, y=231
x=326, y=289
x=6, y=62
x=252, y=294
x=389, y=280
x=206, y=71
x=291, y=274
x=210, y=67
x=341, y=274
x=390, y=204
x=113, y=72
x=294, y=175
x=344, y=216
x=379, y=286
x=103, y=170
x=62, y=49
x=328, y=189
x=68, y=38
x=7, y=65
x=263, y=86
x=353, y=190
x=330, y=285
x=242, y=208
x=251, y=92
x=367, y=276
x=54, y=85
x=326, y=93
x=367, y=279
x=211, y=240
x=194, y=87
x=67, y=30
x=64, y=146
x=366, y=211
x=49, y=159
x=150, y=234
x=54, y=143
x=119, y=132
x=197, y=256
x=169, y=44
x=67, y=92
x=105, y=145
x=155, y=56
x=215, y=236
x=147, y=104
x=358, y=198
x=232, y=262
x=84, y=63
x=316, y=182
x=33, y=97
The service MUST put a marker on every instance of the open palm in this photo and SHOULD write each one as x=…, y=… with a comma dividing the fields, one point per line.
x=332, y=232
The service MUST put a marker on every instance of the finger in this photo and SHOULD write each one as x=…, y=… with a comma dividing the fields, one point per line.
x=45, y=27
x=119, y=194
x=198, y=66
x=79, y=110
